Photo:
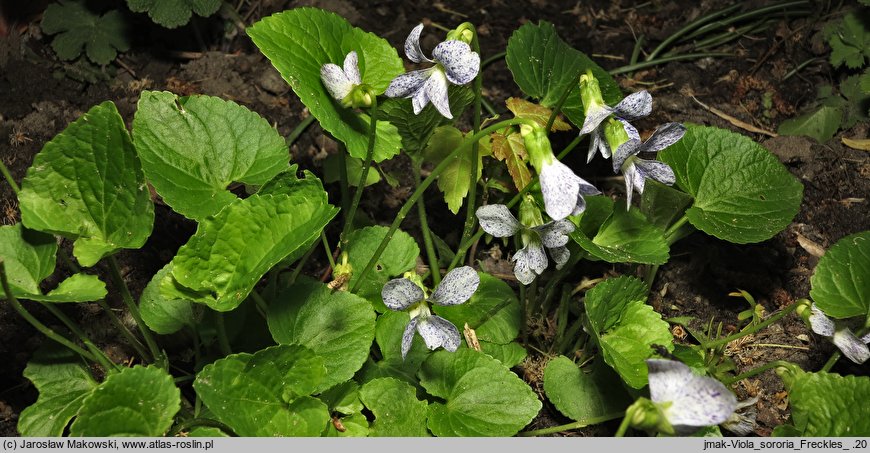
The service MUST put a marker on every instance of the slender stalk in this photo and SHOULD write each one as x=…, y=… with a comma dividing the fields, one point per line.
x=125, y=332
x=669, y=233
x=797, y=68
x=261, y=303
x=492, y=59
x=688, y=28
x=470, y=209
x=301, y=264
x=765, y=12
x=635, y=53
x=425, y=184
x=357, y=195
x=299, y=129
x=431, y=254
x=575, y=425
x=757, y=371
x=558, y=107
x=662, y=60
x=343, y=184
x=115, y=274
x=9, y=179
x=488, y=107
x=42, y=328
x=327, y=249
x=223, y=339
x=833, y=360
x=98, y=353
x=626, y=421
x=751, y=329
x=187, y=425
x=64, y=256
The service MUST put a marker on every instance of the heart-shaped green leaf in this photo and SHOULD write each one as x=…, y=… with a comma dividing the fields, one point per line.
x=544, y=67
x=827, y=404
x=625, y=327
x=194, y=147
x=28, y=256
x=624, y=237
x=841, y=281
x=86, y=184
x=163, y=315
x=398, y=412
x=77, y=28
x=139, y=402
x=300, y=41
x=416, y=130
x=743, y=194
x=493, y=311
x=338, y=326
x=174, y=13
x=510, y=354
x=231, y=251
x=584, y=395
x=399, y=257
x=481, y=396
x=63, y=382
x=265, y=394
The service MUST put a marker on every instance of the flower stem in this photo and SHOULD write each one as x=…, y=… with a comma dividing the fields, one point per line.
x=425, y=184
x=223, y=339
x=575, y=425
x=327, y=249
x=558, y=107
x=357, y=195
x=342, y=182
x=758, y=370
x=626, y=422
x=751, y=329
x=470, y=209
x=42, y=328
x=125, y=332
x=74, y=328
x=301, y=264
x=115, y=273
x=830, y=363
x=431, y=254
x=9, y=179
x=299, y=129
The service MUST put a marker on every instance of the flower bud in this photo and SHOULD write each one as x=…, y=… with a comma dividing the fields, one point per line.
x=537, y=145
x=464, y=32
x=614, y=133
x=590, y=93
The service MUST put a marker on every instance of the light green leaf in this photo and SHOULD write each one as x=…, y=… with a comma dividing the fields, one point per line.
x=63, y=382
x=231, y=251
x=455, y=180
x=338, y=326
x=398, y=412
x=481, y=396
x=583, y=395
x=416, y=130
x=76, y=288
x=77, y=28
x=343, y=398
x=388, y=335
x=264, y=394
x=510, y=355
x=544, y=66
x=86, y=184
x=399, y=256
x=161, y=314
x=743, y=194
x=841, y=281
x=493, y=311
x=138, y=402
x=28, y=256
x=353, y=166
x=820, y=124
x=300, y=41
x=625, y=237
x=625, y=327
x=194, y=147
x=354, y=425
x=827, y=404
x=174, y=13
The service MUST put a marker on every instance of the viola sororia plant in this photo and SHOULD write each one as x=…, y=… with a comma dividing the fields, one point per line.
x=404, y=341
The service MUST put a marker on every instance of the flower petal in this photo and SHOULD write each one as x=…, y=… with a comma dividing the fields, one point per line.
x=852, y=347
x=456, y=287
x=555, y=234
x=625, y=150
x=412, y=46
x=408, y=336
x=335, y=81
x=407, y=84
x=420, y=99
x=436, y=91
x=351, y=68
x=594, y=118
x=560, y=256
x=497, y=220
x=820, y=323
x=634, y=106
x=663, y=137
x=653, y=169
x=437, y=331
x=594, y=142
x=401, y=293
x=522, y=269
x=629, y=129
x=630, y=175
x=695, y=400
x=531, y=257
x=560, y=187
x=461, y=64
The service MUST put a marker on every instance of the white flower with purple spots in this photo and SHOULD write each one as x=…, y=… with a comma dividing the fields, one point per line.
x=531, y=260
x=455, y=63
x=340, y=82
x=686, y=400
x=636, y=170
x=634, y=106
x=456, y=288
x=854, y=348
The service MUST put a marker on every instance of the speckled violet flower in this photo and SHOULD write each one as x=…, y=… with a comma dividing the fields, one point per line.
x=634, y=106
x=686, y=400
x=854, y=348
x=456, y=288
x=455, y=63
x=531, y=260
x=636, y=170
x=341, y=82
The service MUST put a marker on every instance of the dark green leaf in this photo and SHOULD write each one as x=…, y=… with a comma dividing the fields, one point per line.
x=841, y=281
x=77, y=28
x=174, y=13
x=584, y=395
x=827, y=404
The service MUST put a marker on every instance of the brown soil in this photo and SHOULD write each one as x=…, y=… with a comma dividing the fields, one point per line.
x=38, y=99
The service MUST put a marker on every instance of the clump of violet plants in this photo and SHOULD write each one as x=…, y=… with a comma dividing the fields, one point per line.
x=334, y=358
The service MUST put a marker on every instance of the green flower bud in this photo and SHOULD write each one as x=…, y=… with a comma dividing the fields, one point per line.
x=647, y=416
x=590, y=92
x=359, y=97
x=614, y=133
x=537, y=145
x=530, y=213
x=464, y=32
